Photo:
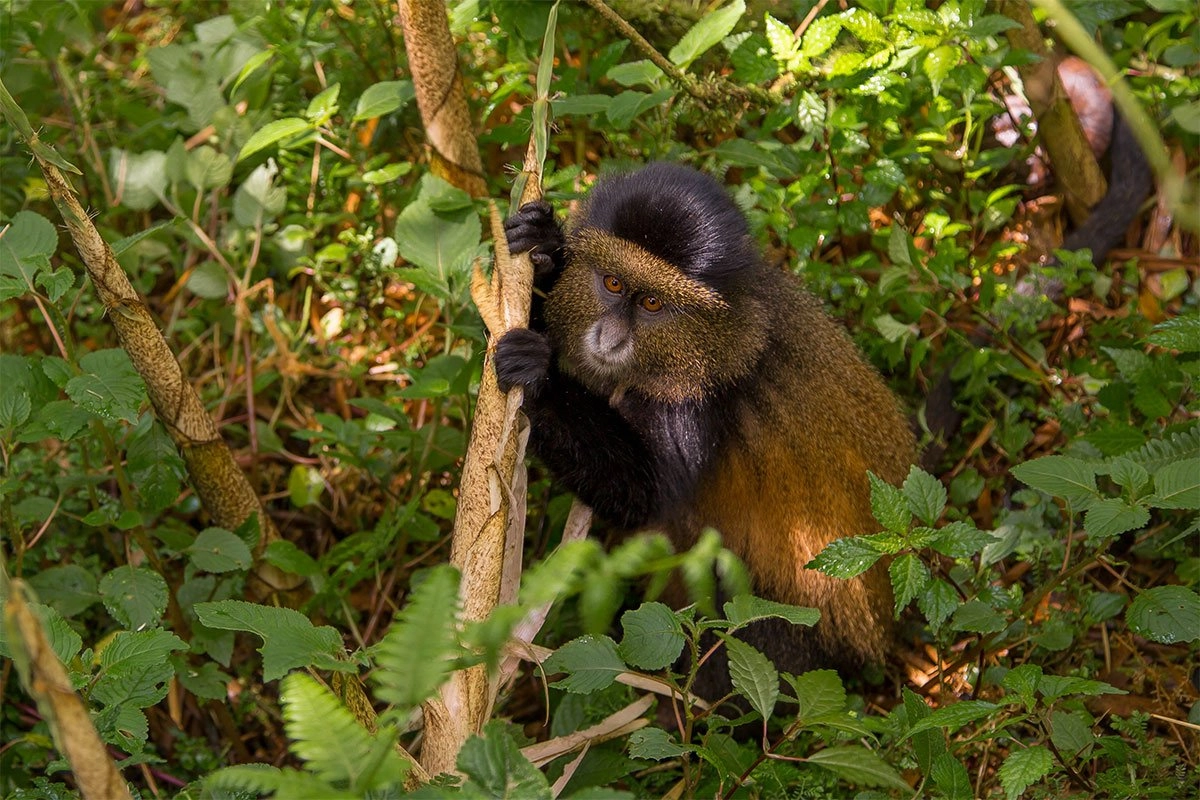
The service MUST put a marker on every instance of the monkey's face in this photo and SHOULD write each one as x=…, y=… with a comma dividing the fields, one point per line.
x=621, y=318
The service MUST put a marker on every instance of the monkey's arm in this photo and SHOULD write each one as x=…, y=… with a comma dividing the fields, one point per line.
x=584, y=442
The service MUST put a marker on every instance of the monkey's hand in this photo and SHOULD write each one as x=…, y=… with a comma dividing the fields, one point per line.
x=522, y=359
x=533, y=229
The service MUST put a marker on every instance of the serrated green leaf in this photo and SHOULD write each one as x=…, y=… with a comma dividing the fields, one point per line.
x=591, y=664
x=708, y=31
x=976, y=616
x=954, y=717
x=141, y=176
x=1071, y=733
x=819, y=692
x=135, y=668
x=634, y=73
x=1167, y=614
x=1023, y=768
x=1023, y=681
x=1060, y=476
x=909, y=577
x=581, y=104
x=925, y=494
x=820, y=36
x=1177, y=485
x=417, y=653
x=860, y=766
x=938, y=63
x=155, y=468
x=209, y=281
x=135, y=596
x=927, y=745
x=961, y=540
x=219, y=550
x=652, y=637
x=441, y=243
x=25, y=250
x=846, y=558
x=290, y=640
x=753, y=675
x=1052, y=687
x=494, y=763
x=206, y=168
x=746, y=608
x=951, y=778
x=889, y=505
x=109, y=386
x=1181, y=333
x=656, y=745
x=1111, y=517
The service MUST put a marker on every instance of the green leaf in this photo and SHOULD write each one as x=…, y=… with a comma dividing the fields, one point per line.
x=68, y=588
x=1071, y=733
x=591, y=664
x=938, y=63
x=382, y=99
x=927, y=745
x=753, y=675
x=442, y=244
x=925, y=494
x=258, y=200
x=1023, y=768
x=64, y=641
x=820, y=36
x=656, y=745
x=25, y=250
x=1166, y=614
x=219, y=550
x=271, y=133
x=846, y=558
x=909, y=576
x=860, y=766
x=889, y=505
x=961, y=540
x=135, y=596
x=952, y=778
x=1060, y=476
x=976, y=616
x=305, y=485
x=1023, y=681
x=711, y=29
x=290, y=640
x=290, y=558
x=632, y=74
x=954, y=717
x=494, y=763
x=209, y=281
x=207, y=168
x=142, y=177
x=135, y=668
x=1111, y=517
x=332, y=743
x=155, y=467
x=206, y=680
x=653, y=638
x=324, y=105
x=108, y=386
x=417, y=654
x=1181, y=333
x=1053, y=687
x=818, y=692
x=581, y=104
x=746, y=608
x=1177, y=485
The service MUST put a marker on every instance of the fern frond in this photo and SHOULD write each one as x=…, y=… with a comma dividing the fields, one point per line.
x=1158, y=453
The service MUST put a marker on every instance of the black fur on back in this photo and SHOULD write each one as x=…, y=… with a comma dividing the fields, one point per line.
x=680, y=215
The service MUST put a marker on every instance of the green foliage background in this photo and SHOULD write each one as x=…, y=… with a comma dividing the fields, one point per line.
x=260, y=171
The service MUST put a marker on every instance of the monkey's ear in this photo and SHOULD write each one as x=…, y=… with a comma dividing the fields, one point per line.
x=533, y=229
x=522, y=359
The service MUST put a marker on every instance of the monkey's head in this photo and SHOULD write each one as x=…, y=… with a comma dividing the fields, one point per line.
x=658, y=294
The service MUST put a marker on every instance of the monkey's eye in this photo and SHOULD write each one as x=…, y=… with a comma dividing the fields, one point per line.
x=613, y=284
x=652, y=304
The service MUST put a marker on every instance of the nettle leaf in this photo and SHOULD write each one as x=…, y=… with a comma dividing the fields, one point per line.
x=859, y=765
x=140, y=177
x=494, y=763
x=135, y=667
x=952, y=778
x=1023, y=681
x=290, y=640
x=711, y=29
x=1023, y=768
x=818, y=692
x=25, y=250
x=418, y=651
x=276, y=131
x=1052, y=687
x=925, y=494
x=909, y=577
x=1060, y=476
x=1111, y=517
x=64, y=641
x=591, y=664
x=69, y=588
x=135, y=596
x=753, y=675
x=383, y=98
x=653, y=637
x=954, y=717
x=1071, y=733
x=1177, y=485
x=208, y=169
x=327, y=737
x=581, y=104
x=1167, y=614
x=846, y=558
x=746, y=608
x=961, y=540
x=927, y=745
x=820, y=36
x=155, y=467
x=976, y=616
x=440, y=242
x=937, y=65
x=1181, y=333
x=889, y=505
x=656, y=745
x=109, y=386
x=633, y=73
x=219, y=550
